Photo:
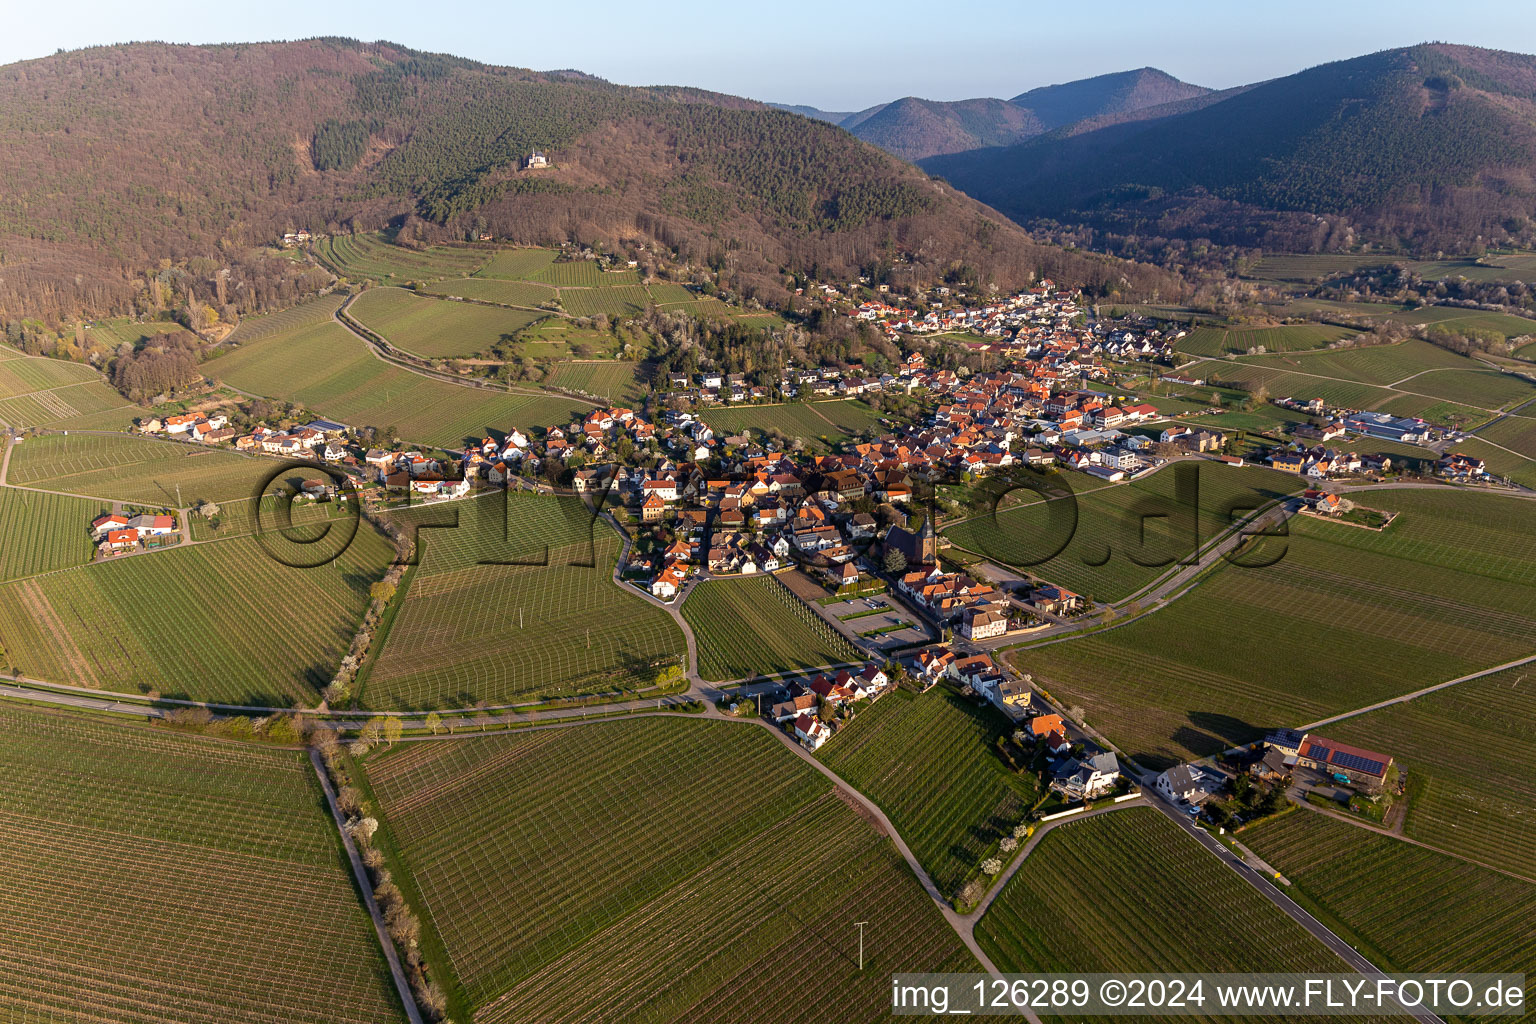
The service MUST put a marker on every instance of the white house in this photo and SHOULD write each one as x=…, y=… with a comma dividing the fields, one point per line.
x=811, y=731
x=1180, y=783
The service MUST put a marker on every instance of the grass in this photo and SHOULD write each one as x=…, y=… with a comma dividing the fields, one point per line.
x=552, y=623
x=1127, y=892
x=650, y=869
x=125, y=330
x=1406, y=908
x=371, y=257
x=756, y=626
x=1482, y=806
x=221, y=622
x=154, y=876
x=834, y=420
x=928, y=761
x=1099, y=559
x=1344, y=618
x=437, y=328
x=43, y=532
x=1375, y=364
x=141, y=470
x=328, y=370
x=506, y=293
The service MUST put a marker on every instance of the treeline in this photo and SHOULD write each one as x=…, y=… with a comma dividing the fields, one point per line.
x=165, y=365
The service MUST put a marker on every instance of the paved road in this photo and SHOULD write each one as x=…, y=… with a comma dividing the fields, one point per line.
x=1343, y=950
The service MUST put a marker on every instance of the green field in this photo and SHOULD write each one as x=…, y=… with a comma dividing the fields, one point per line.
x=305, y=519
x=305, y=314
x=152, y=876
x=517, y=264
x=584, y=274
x=43, y=532
x=755, y=626
x=1447, y=414
x=1344, y=618
x=326, y=369
x=437, y=328
x=221, y=622
x=618, y=382
x=507, y=293
x=127, y=331
x=1215, y=341
x=371, y=257
x=546, y=625
x=1481, y=807
x=928, y=760
x=1517, y=433
x=1126, y=891
x=41, y=392
x=142, y=470
x=1301, y=268
x=649, y=870
x=1100, y=561
x=1501, y=461
x=835, y=420
x=608, y=300
x=1375, y=364
x=1406, y=908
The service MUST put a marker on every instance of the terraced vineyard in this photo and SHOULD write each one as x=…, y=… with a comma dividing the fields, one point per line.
x=623, y=870
x=618, y=382
x=756, y=626
x=928, y=761
x=325, y=368
x=43, y=532
x=1101, y=558
x=152, y=876
x=437, y=328
x=222, y=622
x=507, y=293
x=1342, y=619
x=1404, y=907
x=551, y=622
x=142, y=470
x=517, y=264
x=370, y=257
x=1086, y=900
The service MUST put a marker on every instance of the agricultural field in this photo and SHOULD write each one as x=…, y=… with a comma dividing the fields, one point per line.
x=610, y=300
x=1374, y=364
x=222, y=622
x=127, y=331
x=41, y=392
x=1305, y=268
x=43, y=532
x=1097, y=559
x=517, y=264
x=584, y=274
x=1487, y=389
x=323, y=367
x=929, y=761
x=546, y=620
x=152, y=876
x=1517, y=433
x=371, y=257
x=1215, y=341
x=1447, y=414
x=1406, y=908
x=1086, y=900
x=1344, y=618
x=506, y=293
x=558, y=338
x=1501, y=461
x=832, y=421
x=656, y=888
x=140, y=470
x=1295, y=384
x=1507, y=324
x=1484, y=807
x=305, y=520
x=622, y=383
x=437, y=328
x=305, y=314
x=756, y=626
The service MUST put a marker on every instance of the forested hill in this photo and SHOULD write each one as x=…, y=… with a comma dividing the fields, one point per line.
x=119, y=158
x=1428, y=147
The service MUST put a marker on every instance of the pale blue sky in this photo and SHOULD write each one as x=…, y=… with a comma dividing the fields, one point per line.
x=834, y=55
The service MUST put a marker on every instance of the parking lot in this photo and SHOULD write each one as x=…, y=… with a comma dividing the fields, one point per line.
x=877, y=613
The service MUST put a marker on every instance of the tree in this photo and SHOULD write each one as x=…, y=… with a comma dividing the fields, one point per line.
x=371, y=732
x=392, y=729
x=434, y=722
x=383, y=591
x=895, y=562
x=827, y=711
x=991, y=866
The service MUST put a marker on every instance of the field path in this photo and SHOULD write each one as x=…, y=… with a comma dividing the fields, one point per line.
x=1417, y=693
x=5, y=461
x=365, y=887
